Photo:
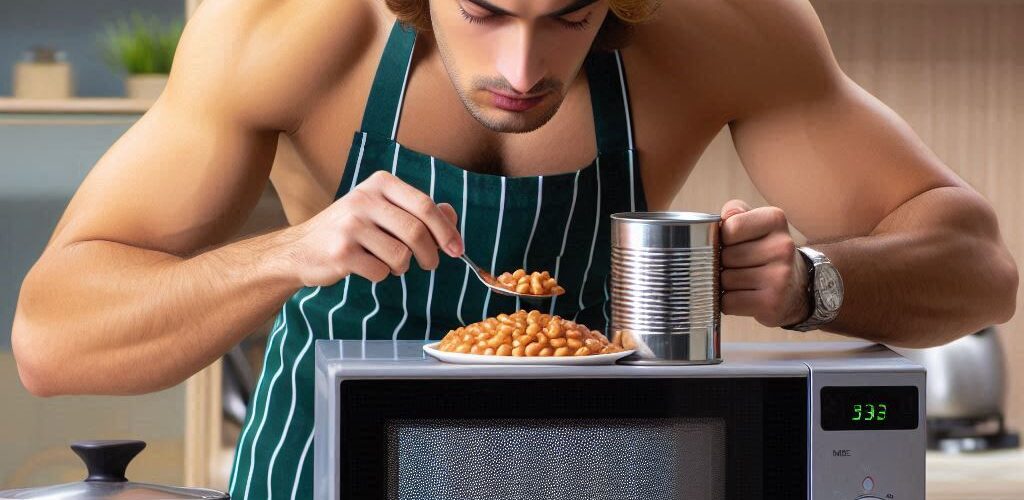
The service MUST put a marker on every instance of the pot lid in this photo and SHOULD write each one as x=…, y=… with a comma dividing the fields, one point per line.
x=107, y=462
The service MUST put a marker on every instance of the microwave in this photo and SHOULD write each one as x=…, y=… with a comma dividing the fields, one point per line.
x=830, y=420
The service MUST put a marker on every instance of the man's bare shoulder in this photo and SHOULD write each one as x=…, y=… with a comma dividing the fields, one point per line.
x=267, y=62
x=736, y=54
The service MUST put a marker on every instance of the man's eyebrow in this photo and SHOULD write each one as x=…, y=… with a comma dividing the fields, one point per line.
x=484, y=4
x=573, y=7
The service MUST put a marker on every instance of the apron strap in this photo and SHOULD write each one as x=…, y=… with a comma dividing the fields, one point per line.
x=609, y=95
x=384, y=106
x=609, y=99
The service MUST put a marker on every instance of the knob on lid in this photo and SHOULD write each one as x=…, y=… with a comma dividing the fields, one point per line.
x=106, y=462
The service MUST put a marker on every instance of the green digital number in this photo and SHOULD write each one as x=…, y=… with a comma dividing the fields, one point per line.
x=871, y=412
x=881, y=411
x=856, y=413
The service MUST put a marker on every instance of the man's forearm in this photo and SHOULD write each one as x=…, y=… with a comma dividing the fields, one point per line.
x=106, y=318
x=934, y=269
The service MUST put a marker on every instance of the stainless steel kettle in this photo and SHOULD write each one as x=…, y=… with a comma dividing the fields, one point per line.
x=966, y=394
x=966, y=377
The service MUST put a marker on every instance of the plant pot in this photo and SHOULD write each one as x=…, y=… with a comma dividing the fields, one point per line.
x=144, y=86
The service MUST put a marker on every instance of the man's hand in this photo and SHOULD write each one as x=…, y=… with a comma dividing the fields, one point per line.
x=373, y=231
x=763, y=274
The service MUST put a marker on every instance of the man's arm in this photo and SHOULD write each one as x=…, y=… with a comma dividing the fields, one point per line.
x=919, y=250
x=130, y=295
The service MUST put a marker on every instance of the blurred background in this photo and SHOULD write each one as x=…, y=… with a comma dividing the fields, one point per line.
x=75, y=74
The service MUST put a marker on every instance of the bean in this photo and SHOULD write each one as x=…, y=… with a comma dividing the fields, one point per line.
x=504, y=350
x=547, y=351
x=519, y=351
x=554, y=329
x=582, y=351
x=563, y=351
x=574, y=344
x=557, y=343
x=533, y=349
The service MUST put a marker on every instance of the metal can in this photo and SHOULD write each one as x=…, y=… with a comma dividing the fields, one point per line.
x=665, y=286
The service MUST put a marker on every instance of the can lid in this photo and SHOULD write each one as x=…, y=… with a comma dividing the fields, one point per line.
x=666, y=217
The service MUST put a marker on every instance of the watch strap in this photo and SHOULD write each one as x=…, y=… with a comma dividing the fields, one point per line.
x=808, y=294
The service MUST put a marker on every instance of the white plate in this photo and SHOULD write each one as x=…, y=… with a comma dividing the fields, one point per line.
x=480, y=359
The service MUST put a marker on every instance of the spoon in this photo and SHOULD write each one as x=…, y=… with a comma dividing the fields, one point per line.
x=491, y=282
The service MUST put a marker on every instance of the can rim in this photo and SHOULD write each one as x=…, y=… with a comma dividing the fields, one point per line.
x=666, y=217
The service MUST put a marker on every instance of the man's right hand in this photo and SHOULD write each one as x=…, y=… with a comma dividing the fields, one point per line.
x=373, y=231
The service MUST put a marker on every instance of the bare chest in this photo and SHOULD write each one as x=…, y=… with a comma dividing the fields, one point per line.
x=310, y=163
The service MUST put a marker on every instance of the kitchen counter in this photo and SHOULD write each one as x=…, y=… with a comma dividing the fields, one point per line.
x=91, y=105
x=995, y=475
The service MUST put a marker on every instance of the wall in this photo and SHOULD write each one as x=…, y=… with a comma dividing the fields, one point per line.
x=72, y=26
x=43, y=160
x=954, y=70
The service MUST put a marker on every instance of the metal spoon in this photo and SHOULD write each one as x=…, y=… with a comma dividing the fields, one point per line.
x=491, y=282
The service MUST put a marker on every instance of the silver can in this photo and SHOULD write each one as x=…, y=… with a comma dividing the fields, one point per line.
x=665, y=272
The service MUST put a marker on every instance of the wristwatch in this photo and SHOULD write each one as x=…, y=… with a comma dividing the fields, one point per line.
x=824, y=291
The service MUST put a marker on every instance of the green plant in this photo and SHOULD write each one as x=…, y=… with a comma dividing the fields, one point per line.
x=140, y=45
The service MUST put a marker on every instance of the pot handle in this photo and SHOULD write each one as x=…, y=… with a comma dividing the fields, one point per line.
x=107, y=460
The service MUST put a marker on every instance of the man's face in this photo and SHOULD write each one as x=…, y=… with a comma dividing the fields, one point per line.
x=511, y=61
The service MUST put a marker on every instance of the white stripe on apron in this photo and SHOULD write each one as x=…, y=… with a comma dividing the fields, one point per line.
x=405, y=293
x=497, y=242
x=565, y=235
x=256, y=394
x=291, y=409
x=593, y=241
x=536, y=217
x=462, y=230
x=430, y=287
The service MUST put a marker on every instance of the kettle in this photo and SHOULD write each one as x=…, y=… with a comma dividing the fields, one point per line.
x=106, y=462
x=966, y=392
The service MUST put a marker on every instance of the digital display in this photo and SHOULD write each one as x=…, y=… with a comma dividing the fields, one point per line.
x=847, y=408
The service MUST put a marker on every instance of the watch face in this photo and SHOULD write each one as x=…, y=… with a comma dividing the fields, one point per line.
x=829, y=287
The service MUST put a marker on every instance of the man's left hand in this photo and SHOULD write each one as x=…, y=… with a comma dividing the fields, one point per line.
x=763, y=274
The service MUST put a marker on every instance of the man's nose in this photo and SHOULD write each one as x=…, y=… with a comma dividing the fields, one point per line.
x=519, y=61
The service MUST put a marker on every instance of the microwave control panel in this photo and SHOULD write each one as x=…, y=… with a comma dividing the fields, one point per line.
x=867, y=436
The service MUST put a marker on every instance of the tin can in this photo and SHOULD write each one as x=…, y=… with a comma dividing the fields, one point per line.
x=665, y=286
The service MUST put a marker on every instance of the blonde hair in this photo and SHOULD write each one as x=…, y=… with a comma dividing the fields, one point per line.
x=614, y=32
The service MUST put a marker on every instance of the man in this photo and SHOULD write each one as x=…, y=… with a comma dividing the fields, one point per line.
x=517, y=141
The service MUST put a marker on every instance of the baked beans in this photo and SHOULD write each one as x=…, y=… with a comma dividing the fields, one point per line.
x=530, y=283
x=527, y=334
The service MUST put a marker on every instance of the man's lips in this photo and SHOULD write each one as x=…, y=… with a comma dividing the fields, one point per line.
x=513, y=103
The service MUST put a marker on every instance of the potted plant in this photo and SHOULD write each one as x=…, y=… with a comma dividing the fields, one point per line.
x=143, y=49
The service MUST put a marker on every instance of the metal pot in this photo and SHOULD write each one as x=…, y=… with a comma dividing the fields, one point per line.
x=106, y=462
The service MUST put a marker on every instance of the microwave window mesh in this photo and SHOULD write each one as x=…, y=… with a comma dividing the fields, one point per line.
x=526, y=459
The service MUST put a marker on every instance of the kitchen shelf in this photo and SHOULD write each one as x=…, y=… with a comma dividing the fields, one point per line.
x=75, y=105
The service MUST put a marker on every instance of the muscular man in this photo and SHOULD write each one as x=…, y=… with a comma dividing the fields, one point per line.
x=520, y=131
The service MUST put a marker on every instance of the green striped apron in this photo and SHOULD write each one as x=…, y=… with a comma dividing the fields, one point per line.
x=557, y=222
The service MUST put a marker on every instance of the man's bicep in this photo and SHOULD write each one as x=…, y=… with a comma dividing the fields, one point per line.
x=174, y=182
x=186, y=175
x=834, y=157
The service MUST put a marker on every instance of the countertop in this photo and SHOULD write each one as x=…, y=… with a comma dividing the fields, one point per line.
x=993, y=475
x=92, y=105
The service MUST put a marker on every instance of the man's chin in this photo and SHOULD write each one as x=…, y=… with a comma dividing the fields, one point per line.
x=512, y=122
